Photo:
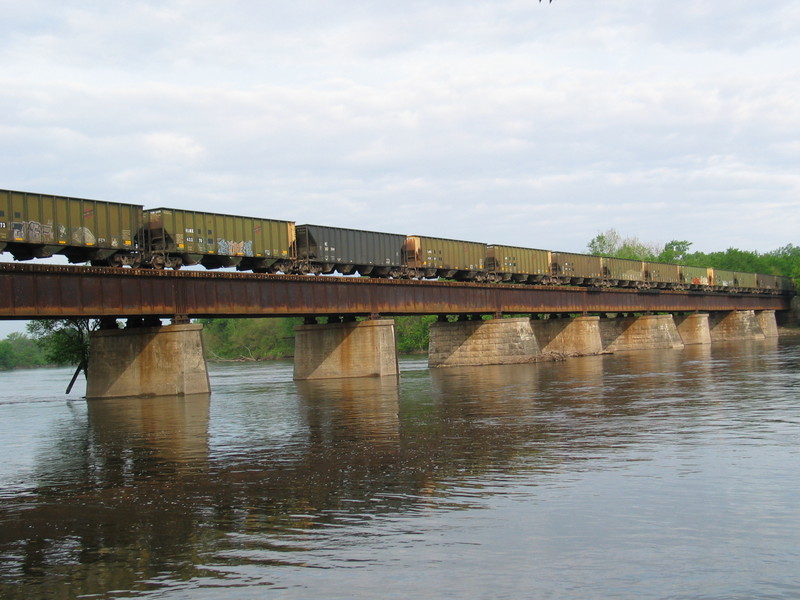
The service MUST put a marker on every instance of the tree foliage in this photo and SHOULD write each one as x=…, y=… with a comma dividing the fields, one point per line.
x=19, y=351
x=63, y=341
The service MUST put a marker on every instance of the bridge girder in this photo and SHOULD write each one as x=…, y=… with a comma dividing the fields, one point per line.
x=53, y=291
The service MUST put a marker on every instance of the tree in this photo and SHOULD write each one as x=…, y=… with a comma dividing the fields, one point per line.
x=64, y=341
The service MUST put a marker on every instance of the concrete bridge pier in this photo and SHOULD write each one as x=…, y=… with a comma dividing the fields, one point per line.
x=147, y=361
x=768, y=323
x=735, y=325
x=345, y=349
x=479, y=342
x=578, y=335
x=693, y=328
x=646, y=332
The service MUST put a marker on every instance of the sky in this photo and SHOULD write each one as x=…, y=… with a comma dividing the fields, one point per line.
x=509, y=121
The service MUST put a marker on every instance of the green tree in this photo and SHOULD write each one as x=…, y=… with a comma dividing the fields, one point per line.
x=64, y=341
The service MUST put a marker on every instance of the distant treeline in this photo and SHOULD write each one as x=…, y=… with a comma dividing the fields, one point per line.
x=18, y=351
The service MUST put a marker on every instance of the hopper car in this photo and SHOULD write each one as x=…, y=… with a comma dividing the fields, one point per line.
x=116, y=234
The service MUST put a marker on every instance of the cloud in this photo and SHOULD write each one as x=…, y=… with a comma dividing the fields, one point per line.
x=497, y=121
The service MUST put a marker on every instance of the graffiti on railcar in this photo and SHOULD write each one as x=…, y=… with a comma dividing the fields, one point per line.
x=229, y=248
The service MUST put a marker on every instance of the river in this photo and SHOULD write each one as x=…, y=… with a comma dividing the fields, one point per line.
x=667, y=474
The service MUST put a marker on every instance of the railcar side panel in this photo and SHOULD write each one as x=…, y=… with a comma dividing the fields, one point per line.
x=695, y=276
x=82, y=229
x=579, y=268
x=350, y=248
x=201, y=236
x=746, y=280
x=622, y=269
x=444, y=257
x=515, y=260
x=722, y=278
x=661, y=272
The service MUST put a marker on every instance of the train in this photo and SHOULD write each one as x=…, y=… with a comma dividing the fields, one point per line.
x=116, y=234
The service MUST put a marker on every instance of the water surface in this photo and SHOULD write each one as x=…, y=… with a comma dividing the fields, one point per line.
x=663, y=474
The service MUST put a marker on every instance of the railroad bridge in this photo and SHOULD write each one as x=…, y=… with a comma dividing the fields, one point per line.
x=528, y=322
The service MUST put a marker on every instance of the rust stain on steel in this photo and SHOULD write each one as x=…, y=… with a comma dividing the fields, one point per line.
x=41, y=291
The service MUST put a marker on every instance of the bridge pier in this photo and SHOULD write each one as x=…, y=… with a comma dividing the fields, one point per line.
x=646, y=332
x=735, y=325
x=147, y=361
x=492, y=342
x=349, y=349
x=693, y=328
x=768, y=323
x=578, y=335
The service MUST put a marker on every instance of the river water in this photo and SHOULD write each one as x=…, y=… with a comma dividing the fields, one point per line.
x=661, y=474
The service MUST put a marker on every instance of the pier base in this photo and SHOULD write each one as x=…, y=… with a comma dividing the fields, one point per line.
x=768, y=323
x=693, y=328
x=359, y=349
x=647, y=332
x=147, y=361
x=578, y=336
x=493, y=342
x=735, y=325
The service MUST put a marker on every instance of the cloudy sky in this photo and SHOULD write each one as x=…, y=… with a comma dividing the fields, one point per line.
x=509, y=121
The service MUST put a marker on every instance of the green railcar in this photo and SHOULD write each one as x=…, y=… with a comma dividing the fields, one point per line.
x=695, y=277
x=40, y=225
x=622, y=272
x=174, y=237
x=721, y=278
x=746, y=281
x=576, y=269
x=661, y=275
x=518, y=264
x=438, y=257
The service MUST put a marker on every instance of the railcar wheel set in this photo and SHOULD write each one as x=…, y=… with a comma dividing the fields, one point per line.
x=116, y=234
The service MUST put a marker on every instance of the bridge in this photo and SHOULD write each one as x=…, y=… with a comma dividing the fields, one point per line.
x=151, y=360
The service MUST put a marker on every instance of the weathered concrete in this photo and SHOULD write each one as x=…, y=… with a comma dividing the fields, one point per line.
x=147, y=361
x=493, y=342
x=767, y=322
x=646, y=332
x=358, y=349
x=579, y=335
x=693, y=328
x=735, y=325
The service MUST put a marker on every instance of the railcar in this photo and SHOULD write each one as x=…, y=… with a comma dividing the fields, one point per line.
x=722, y=279
x=520, y=265
x=661, y=275
x=172, y=238
x=746, y=282
x=322, y=249
x=695, y=278
x=622, y=272
x=569, y=268
x=430, y=257
x=83, y=230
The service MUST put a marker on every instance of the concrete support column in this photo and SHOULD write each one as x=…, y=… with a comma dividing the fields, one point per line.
x=494, y=342
x=147, y=361
x=357, y=349
x=735, y=325
x=647, y=332
x=580, y=335
x=766, y=320
x=693, y=328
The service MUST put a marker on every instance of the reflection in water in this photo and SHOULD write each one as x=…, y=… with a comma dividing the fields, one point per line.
x=514, y=477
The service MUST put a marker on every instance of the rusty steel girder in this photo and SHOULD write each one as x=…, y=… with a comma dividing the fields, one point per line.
x=30, y=291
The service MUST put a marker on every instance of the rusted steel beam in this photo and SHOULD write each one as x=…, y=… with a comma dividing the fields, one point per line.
x=30, y=291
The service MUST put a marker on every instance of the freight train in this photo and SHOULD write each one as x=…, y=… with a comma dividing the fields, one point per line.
x=116, y=234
